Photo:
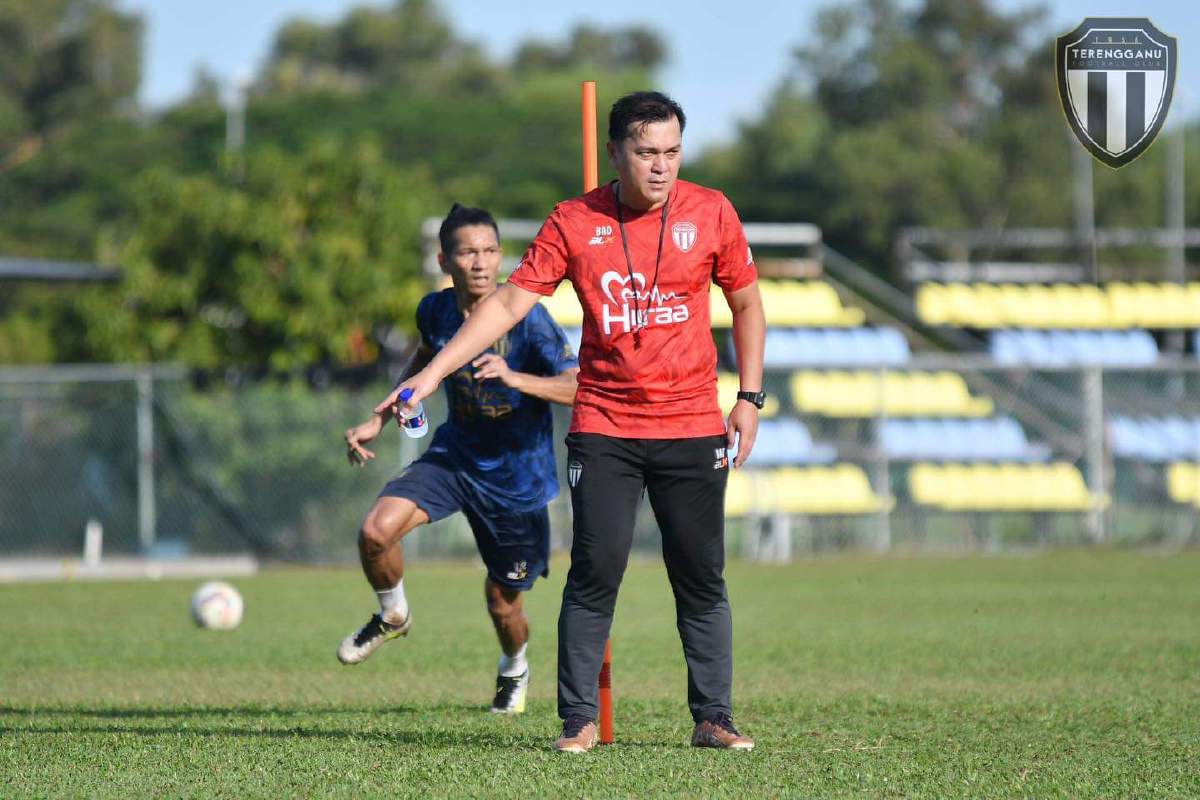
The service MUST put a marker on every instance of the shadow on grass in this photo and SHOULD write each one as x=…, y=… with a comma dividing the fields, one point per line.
x=497, y=740
x=150, y=712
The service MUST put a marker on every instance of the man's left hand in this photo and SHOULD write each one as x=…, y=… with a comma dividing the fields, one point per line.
x=490, y=365
x=742, y=430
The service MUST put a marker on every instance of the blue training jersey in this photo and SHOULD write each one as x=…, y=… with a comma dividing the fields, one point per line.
x=501, y=440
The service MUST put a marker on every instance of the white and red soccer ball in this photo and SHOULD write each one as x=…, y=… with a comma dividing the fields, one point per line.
x=217, y=605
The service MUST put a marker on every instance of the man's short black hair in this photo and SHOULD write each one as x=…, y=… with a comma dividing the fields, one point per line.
x=461, y=217
x=639, y=109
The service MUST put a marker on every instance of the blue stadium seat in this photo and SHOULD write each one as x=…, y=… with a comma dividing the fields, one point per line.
x=996, y=439
x=1172, y=438
x=788, y=441
x=805, y=347
x=1068, y=348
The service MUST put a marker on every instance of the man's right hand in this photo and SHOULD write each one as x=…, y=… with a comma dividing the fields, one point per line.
x=422, y=384
x=359, y=435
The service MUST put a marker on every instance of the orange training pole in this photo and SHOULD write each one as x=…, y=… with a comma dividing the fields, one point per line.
x=606, y=701
x=591, y=179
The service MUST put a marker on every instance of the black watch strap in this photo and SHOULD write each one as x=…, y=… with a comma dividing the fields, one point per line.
x=758, y=398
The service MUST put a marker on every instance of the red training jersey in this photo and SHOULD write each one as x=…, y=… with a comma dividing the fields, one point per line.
x=664, y=385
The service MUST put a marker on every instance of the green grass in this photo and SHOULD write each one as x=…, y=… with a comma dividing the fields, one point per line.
x=1071, y=674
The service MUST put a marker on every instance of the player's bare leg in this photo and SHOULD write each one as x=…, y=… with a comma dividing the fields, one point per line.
x=382, y=557
x=507, y=610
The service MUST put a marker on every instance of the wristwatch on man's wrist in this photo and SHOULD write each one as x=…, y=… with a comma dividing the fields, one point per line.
x=757, y=398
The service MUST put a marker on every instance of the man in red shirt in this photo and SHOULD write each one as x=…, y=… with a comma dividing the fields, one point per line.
x=641, y=253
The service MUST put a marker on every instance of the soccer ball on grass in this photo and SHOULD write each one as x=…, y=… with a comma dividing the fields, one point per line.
x=217, y=605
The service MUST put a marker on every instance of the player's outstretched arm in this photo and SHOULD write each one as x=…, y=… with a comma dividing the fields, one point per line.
x=364, y=432
x=491, y=319
x=749, y=338
x=558, y=388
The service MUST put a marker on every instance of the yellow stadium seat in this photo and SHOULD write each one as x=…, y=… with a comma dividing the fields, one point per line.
x=728, y=385
x=933, y=306
x=1063, y=305
x=564, y=306
x=837, y=489
x=792, y=304
x=1183, y=483
x=1000, y=487
x=739, y=494
x=839, y=393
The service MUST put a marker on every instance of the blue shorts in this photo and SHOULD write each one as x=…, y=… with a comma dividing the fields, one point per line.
x=514, y=545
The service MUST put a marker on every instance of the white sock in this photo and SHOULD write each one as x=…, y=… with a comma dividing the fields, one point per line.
x=393, y=605
x=514, y=665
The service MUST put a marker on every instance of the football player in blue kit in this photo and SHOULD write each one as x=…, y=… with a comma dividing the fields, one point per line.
x=493, y=458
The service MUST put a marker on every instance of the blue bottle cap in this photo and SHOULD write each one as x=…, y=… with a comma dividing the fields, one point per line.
x=405, y=395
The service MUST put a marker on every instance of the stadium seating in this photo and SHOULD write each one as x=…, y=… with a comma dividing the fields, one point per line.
x=792, y=303
x=1062, y=305
x=1073, y=348
x=996, y=439
x=837, y=489
x=727, y=388
x=999, y=487
x=802, y=347
x=564, y=306
x=1183, y=483
x=1171, y=438
x=838, y=393
x=788, y=441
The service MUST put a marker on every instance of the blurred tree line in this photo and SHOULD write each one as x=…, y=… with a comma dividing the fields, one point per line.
x=302, y=248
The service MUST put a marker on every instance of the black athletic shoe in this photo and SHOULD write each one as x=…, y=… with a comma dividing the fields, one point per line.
x=355, y=648
x=510, y=693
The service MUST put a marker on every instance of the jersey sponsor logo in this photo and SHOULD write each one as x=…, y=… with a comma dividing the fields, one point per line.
x=574, y=473
x=683, y=234
x=603, y=235
x=636, y=307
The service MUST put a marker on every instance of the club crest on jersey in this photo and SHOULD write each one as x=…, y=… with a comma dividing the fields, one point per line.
x=1116, y=77
x=574, y=473
x=684, y=235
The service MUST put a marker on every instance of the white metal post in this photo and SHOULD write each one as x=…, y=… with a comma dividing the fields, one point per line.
x=1093, y=398
x=147, y=513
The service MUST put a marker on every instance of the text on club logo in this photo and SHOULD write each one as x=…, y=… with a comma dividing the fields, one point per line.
x=1116, y=78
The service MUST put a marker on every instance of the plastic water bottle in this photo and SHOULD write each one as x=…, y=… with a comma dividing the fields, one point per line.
x=416, y=425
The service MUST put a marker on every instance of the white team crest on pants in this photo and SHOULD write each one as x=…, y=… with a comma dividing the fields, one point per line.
x=574, y=472
x=684, y=235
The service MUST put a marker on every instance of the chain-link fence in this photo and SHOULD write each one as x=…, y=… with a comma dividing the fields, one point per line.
x=941, y=453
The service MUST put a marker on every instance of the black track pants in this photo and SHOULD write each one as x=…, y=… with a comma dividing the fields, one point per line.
x=685, y=480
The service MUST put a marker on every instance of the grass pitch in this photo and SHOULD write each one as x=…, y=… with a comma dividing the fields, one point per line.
x=1071, y=674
